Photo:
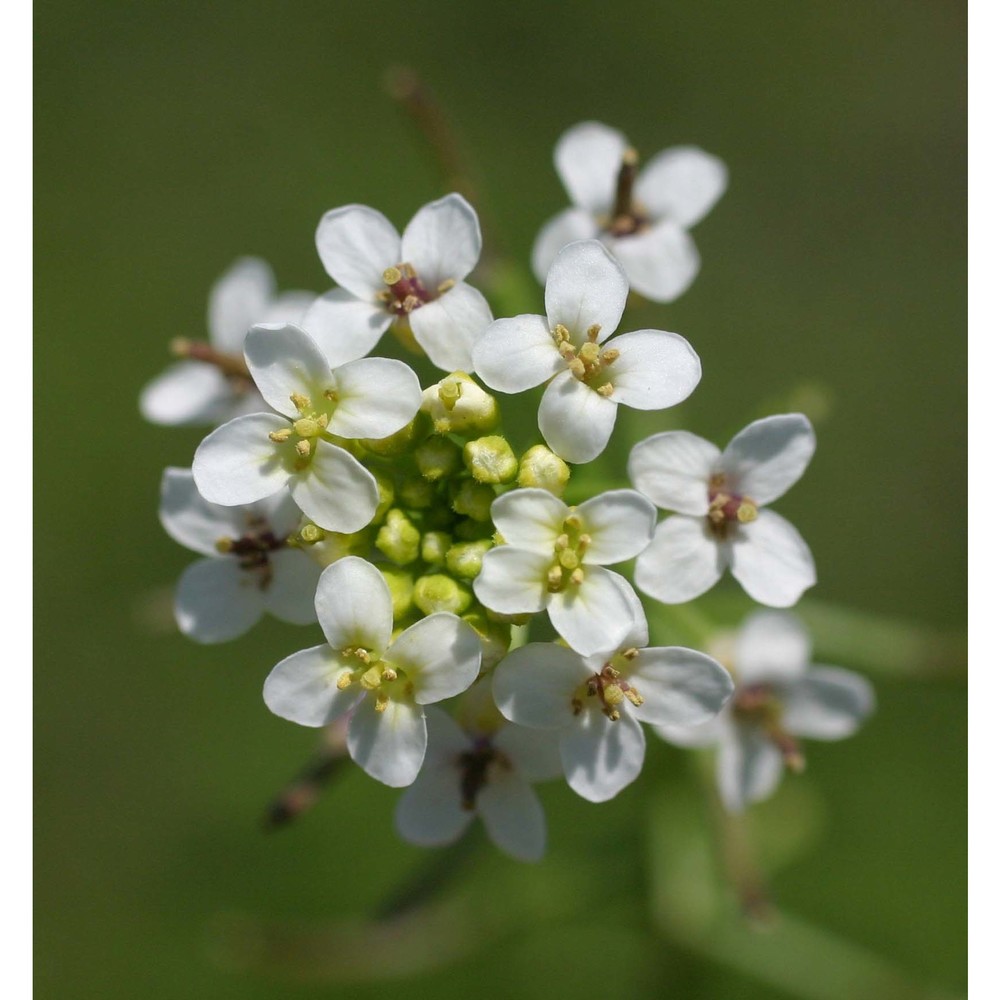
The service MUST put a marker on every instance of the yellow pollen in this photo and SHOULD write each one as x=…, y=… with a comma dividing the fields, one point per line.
x=605, y=390
x=576, y=366
x=584, y=543
x=573, y=522
x=610, y=356
x=613, y=714
x=410, y=303
x=388, y=674
x=381, y=701
x=631, y=653
x=330, y=394
x=634, y=697
x=593, y=332
x=303, y=448
x=391, y=275
x=576, y=576
x=446, y=285
x=300, y=402
x=223, y=545
x=280, y=437
x=567, y=350
x=555, y=576
x=345, y=680
x=561, y=333
x=562, y=542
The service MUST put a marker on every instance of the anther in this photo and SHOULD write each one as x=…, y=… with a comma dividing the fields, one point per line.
x=576, y=577
x=555, y=577
x=634, y=697
x=389, y=675
x=223, y=545
x=605, y=390
x=345, y=680
x=631, y=653
x=593, y=332
x=583, y=543
x=280, y=437
x=331, y=394
x=303, y=448
x=381, y=701
x=446, y=285
x=576, y=366
x=410, y=303
x=300, y=402
x=562, y=542
x=610, y=356
x=560, y=333
x=576, y=705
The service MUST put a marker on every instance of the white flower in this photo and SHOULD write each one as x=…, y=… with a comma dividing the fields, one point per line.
x=253, y=456
x=415, y=281
x=383, y=684
x=554, y=560
x=720, y=520
x=467, y=774
x=779, y=698
x=212, y=386
x=585, y=295
x=596, y=703
x=643, y=218
x=249, y=570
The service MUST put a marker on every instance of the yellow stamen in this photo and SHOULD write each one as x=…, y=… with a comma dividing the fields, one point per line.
x=303, y=448
x=280, y=437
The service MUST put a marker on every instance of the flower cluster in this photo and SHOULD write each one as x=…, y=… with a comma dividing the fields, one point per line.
x=336, y=490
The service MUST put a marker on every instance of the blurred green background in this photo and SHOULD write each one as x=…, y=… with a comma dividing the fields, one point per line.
x=172, y=138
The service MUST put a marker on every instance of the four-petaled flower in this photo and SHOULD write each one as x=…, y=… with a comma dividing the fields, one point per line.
x=720, y=520
x=779, y=697
x=212, y=384
x=415, y=281
x=253, y=456
x=554, y=559
x=642, y=217
x=485, y=774
x=596, y=703
x=585, y=295
x=250, y=567
x=384, y=684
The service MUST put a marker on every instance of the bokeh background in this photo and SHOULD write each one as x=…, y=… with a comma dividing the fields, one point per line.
x=172, y=138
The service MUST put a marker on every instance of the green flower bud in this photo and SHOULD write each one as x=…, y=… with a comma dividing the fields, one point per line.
x=418, y=493
x=398, y=539
x=438, y=457
x=543, y=469
x=457, y=405
x=438, y=592
x=311, y=534
x=468, y=530
x=401, y=588
x=490, y=460
x=386, y=496
x=473, y=500
x=434, y=547
x=466, y=558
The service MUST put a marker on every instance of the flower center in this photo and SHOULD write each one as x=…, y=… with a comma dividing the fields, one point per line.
x=588, y=363
x=304, y=431
x=378, y=678
x=758, y=705
x=609, y=687
x=568, y=552
x=253, y=549
x=726, y=508
x=474, y=769
x=405, y=291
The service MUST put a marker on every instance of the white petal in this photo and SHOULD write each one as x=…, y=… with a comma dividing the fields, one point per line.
x=638, y=635
x=771, y=647
x=534, y=685
x=673, y=469
x=430, y=811
x=280, y=511
x=344, y=327
x=290, y=594
x=620, y=524
x=356, y=244
x=533, y=752
x=679, y=686
x=189, y=392
x=354, y=605
x=681, y=184
x=601, y=757
x=285, y=360
x=512, y=815
x=239, y=299
x=768, y=456
x=593, y=616
x=442, y=241
x=217, y=601
x=588, y=157
x=191, y=520
x=390, y=744
x=530, y=519
x=829, y=703
x=575, y=421
x=516, y=354
x=660, y=263
x=771, y=561
x=585, y=287
x=655, y=369
x=682, y=561
x=566, y=227
x=288, y=307
x=748, y=768
x=303, y=688
x=440, y=654
x=449, y=327
x=336, y=491
x=512, y=581
x=376, y=397
x=705, y=735
x=238, y=463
